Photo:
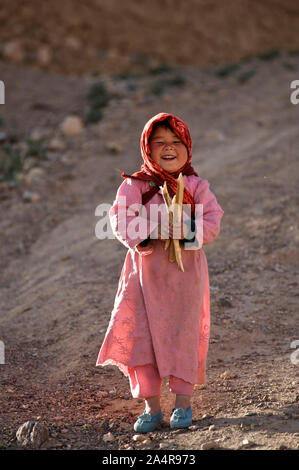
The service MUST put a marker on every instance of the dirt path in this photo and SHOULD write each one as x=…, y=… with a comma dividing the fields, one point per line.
x=58, y=280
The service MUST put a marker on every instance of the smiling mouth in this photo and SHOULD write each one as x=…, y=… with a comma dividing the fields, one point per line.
x=168, y=157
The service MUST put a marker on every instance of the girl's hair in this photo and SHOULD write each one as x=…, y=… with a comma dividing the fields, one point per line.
x=163, y=123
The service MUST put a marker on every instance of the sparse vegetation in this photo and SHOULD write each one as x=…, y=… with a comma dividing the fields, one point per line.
x=161, y=84
x=12, y=159
x=163, y=68
x=11, y=163
x=288, y=66
x=226, y=70
x=270, y=55
x=245, y=76
x=35, y=148
x=97, y=99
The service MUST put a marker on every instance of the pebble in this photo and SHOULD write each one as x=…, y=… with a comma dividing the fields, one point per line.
x=73, y=43
x=3, y=136
x=128, y=447
x=44, y=55
x=103, y=394
x=35, y=174
x=178, y=431
x=108, y=437
x=163, y=445
x=32, y=434
x=210, y=445
x=14, y=51
x=246, y=443
x=29, y=196
x=56, y=144
x=113, y=147
x=72, y=125
x=138, y=437
x=212, y=427
x=146, y=441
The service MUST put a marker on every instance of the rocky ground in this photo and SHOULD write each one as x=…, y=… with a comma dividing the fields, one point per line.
x=101, y=36
x=58, y=281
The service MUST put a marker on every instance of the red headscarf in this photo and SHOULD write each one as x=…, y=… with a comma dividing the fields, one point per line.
x=151, y=171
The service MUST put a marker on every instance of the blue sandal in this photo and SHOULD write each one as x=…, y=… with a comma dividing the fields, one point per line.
x=181, y=418
x=147, y=422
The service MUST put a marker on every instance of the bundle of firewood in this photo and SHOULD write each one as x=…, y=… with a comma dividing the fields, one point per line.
x=175, y=207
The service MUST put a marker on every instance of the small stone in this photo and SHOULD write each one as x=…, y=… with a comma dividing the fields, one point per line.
x=73, y=43
x=228, y=375
x=212, y=427
x=103, y=394
x=113, y=147
x=146, y=441
x=108, y=437
x=163, y=445
x=56, y=144
x=138, y=437
x=283, y=447
x=246, y=443
x=14, y=51
x=28, y=196
x=32, y=434
x=178, y=431
x=35, y=174
x=3, y=136
x=44, y=55
x=72, y=125
x=206, y=416
x=210, y=445
x=222, y=439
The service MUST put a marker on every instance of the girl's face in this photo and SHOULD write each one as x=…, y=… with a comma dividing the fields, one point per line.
x=167, y=149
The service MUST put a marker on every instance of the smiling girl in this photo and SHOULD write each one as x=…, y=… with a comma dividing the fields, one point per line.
x=160, y=323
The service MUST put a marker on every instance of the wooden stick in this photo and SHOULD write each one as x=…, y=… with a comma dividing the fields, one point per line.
x=177, y=217
x=175, y=213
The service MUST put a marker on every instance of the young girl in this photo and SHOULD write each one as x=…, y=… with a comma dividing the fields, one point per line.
x=160, y=323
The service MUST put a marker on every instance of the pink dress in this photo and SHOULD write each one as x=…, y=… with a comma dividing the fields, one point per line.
x=161, y=315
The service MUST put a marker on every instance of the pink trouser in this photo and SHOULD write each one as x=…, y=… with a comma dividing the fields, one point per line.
x=146, y=382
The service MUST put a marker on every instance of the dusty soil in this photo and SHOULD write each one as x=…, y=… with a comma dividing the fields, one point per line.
x=58, y=281
x=109, y=36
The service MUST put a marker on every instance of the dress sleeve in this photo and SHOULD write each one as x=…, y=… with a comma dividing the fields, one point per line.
x=208, y=214
x=129, y=220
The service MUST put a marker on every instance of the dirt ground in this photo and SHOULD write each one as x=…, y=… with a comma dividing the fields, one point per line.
x=110, y=36
x=58, y=281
